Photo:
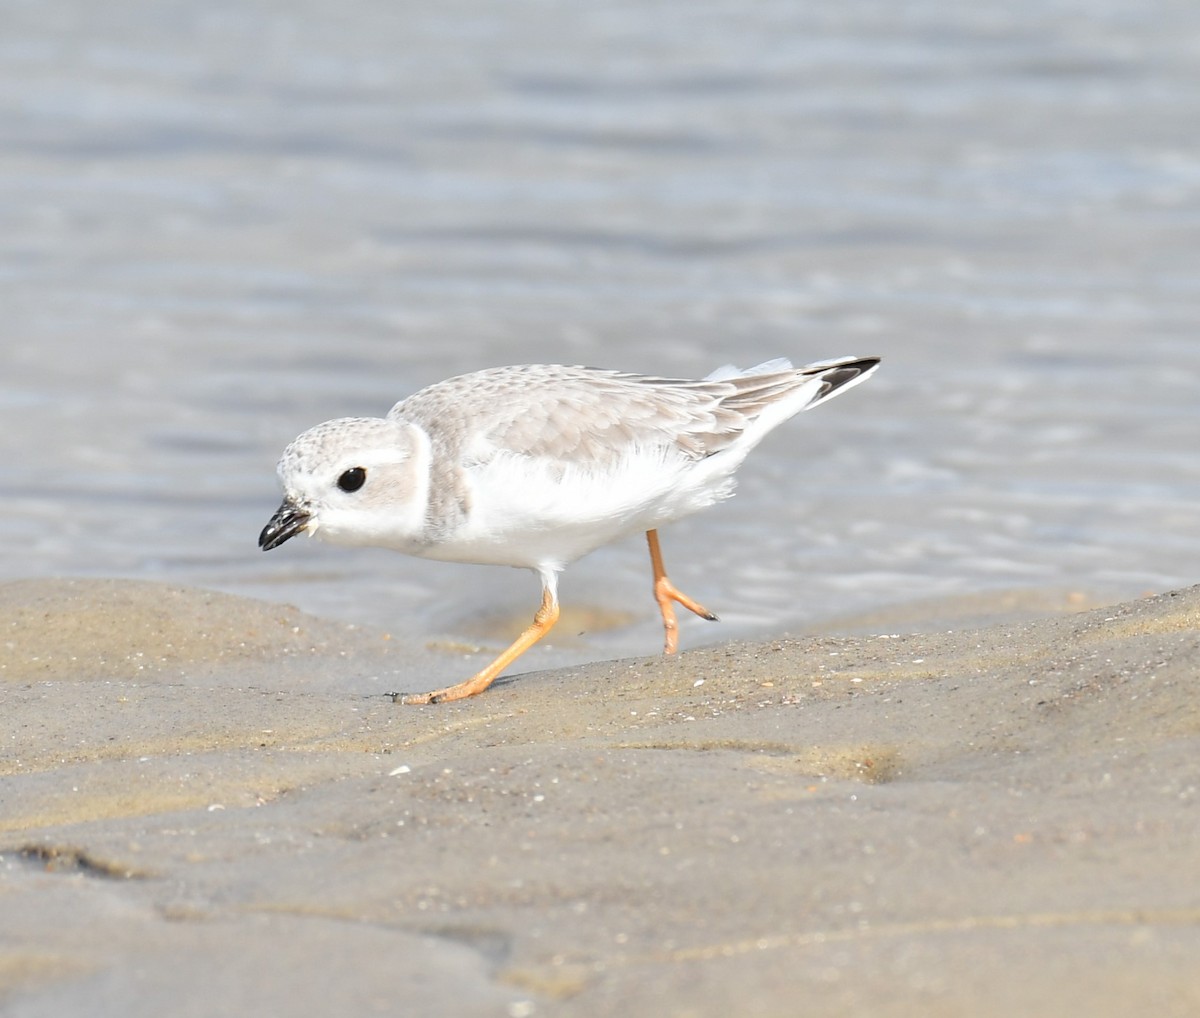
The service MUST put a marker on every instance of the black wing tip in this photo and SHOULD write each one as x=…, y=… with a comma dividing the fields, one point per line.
x=838, y=375
x=858, y=365
x=841, y=374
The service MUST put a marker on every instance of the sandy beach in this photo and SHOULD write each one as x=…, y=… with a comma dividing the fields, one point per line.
x=940, y=759
x=209, y=808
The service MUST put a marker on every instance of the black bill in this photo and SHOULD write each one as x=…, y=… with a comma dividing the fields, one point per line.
x=288, y=521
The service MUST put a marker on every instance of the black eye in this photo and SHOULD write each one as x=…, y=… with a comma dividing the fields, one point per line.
x=352, y=479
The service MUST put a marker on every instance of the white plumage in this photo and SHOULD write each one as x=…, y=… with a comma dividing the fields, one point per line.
x=537, y=465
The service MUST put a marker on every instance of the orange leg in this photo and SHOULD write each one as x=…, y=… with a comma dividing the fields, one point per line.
x=543, y=622
x=665, y=592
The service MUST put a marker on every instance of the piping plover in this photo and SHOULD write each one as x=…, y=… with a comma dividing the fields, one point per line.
x=537, y=465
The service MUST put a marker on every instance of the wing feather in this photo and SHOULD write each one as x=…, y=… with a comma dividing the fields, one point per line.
x=579, y=416
x=588, y=417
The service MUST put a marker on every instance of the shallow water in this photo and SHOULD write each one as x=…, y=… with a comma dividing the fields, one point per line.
x=224, y=224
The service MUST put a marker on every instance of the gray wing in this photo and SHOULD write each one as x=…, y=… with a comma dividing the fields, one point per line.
x=581, y=415
x=566, y=416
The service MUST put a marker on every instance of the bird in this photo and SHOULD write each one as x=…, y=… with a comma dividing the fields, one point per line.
x=536, y=465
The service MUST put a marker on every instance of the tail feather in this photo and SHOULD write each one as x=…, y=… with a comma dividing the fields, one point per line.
x=837, y=376
x=749, y=405
x=727, y=371
x=757, y=389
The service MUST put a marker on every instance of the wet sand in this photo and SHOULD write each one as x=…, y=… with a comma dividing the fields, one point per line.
x=209, y=805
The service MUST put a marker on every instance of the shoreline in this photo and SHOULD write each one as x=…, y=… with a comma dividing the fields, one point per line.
x=984, y=820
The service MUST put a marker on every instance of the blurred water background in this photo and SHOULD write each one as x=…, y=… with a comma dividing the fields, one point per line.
x=221, y=223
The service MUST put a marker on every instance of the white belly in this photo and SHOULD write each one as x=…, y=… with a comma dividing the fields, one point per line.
x=522, y=513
